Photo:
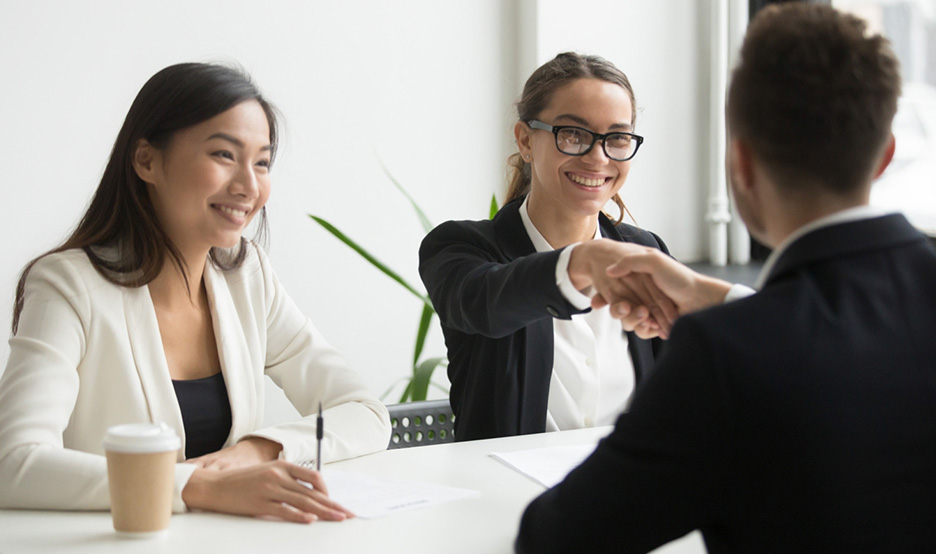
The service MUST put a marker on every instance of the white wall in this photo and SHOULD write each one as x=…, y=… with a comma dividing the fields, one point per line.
x=425, y=85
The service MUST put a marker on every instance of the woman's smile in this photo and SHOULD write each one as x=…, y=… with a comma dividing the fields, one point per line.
x=234, y=214
x=588, y=182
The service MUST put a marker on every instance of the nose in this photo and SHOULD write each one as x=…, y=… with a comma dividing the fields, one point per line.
x=245, y=182
x=597, y=153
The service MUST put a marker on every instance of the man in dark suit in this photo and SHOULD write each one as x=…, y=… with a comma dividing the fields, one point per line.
x=801, y=418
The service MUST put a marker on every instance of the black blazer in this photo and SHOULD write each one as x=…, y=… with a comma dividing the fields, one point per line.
x=496, y=298
x=800, y=419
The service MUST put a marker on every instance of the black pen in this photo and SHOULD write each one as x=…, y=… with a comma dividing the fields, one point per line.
x=319, y=433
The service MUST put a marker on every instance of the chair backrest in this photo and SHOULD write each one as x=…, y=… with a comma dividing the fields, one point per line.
x=421, y=423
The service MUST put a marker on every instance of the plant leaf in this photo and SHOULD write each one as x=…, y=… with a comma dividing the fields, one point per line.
x=422, y=373
x=422, y=332
x=406, y=392
x=494, y=207
x=423, y=219
x=367, y=256
x=393, y=385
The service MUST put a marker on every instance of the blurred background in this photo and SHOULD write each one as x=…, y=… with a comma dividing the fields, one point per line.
x=424, y=87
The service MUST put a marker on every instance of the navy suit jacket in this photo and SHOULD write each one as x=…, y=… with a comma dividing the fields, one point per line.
x=800, y=419
x=496, y=298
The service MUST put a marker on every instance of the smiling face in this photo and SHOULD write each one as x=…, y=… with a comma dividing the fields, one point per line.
x=211, y=179
x=576, y=186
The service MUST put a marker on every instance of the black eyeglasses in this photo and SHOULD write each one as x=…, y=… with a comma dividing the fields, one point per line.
x=576, y=141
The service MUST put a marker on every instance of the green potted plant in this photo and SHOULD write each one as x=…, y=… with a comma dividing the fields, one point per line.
x=417, y=387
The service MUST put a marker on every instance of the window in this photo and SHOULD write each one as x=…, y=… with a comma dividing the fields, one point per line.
x=909, y=184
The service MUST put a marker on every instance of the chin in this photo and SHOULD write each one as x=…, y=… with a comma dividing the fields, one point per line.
x=228, y=243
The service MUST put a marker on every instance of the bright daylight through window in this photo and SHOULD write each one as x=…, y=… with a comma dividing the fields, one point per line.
x=909, y=184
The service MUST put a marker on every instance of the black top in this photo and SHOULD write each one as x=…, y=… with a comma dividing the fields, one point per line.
x=799, y=419
x=496, y=298
x=206, y=414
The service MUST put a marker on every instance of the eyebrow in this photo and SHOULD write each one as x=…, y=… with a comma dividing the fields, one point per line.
x=584, y=122
x=233, y=140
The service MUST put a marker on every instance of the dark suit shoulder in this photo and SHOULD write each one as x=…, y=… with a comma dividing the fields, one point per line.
x=476, y=234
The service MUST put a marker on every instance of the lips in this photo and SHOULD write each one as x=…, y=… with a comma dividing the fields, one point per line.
x=235, y=214
x=586, y=182
x=232, y=211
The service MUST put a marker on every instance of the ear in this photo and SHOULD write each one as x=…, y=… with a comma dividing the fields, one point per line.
x=741, y=173
x=886, y=157
x=144, y=161
x=522, y=136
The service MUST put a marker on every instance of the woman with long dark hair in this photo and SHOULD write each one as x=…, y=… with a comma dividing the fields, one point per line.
x=525, y=354
x=157, y=309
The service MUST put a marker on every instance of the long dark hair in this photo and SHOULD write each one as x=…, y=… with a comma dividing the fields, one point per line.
x=538, y=91
x=120, y=231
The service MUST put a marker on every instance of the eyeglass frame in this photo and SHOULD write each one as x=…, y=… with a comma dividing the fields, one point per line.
x=556, y=129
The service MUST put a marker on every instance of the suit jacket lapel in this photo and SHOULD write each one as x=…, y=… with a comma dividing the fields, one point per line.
x=641, y=350
x=533, y=386
x=514, y=242
x=150, y=359
x=234, y=355
x=510, y=234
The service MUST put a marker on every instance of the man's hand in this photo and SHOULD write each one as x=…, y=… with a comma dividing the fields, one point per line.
x=635, y=299
x=645, y=288
x=687, y=290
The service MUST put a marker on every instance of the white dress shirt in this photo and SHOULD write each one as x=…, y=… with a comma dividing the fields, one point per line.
x=593, y=373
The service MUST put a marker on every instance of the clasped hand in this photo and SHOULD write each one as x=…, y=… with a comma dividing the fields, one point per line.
x=644, y=288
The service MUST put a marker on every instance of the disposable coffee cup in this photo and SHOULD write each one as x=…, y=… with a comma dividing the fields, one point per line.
x=141, y=461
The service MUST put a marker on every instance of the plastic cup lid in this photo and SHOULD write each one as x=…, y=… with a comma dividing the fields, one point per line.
x=139, y=438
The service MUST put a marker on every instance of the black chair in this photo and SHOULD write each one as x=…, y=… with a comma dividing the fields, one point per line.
x=421, y=423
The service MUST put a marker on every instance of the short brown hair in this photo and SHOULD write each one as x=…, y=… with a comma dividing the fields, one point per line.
x=814, y=96
x=539, y=90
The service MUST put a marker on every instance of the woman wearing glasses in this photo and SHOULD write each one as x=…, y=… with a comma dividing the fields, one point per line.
x=512, y=293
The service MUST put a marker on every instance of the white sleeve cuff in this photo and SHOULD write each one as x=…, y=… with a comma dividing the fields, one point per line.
x=737, y=292
x=579, y=299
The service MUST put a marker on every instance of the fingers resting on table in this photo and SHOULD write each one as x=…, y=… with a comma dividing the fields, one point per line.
x=271, y=489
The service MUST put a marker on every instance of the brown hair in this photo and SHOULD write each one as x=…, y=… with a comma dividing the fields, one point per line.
x=814, y=96
x=120, y=218
x=537, y=93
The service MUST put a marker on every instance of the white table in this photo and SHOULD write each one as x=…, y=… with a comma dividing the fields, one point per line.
x=485, y=524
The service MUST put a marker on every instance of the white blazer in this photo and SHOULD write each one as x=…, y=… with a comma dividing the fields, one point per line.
x=88, y=355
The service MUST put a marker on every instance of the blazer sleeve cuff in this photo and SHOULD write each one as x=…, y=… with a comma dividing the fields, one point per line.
x=183, y=472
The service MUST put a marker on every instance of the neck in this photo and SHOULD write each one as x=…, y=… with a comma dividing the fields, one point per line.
x=560, y=228
x=791, y=210
x=171, y=288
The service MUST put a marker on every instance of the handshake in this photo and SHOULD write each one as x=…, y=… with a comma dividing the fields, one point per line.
x=645, y=288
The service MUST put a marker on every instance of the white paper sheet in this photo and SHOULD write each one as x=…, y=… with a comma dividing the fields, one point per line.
x=546, y=466
x=368, y=496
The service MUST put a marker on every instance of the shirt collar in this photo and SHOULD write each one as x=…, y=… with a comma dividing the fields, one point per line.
x=849, y=214
x=537, y=238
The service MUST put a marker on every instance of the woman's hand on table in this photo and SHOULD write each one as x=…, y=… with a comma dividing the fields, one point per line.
x=248, y=452
x=276, y=489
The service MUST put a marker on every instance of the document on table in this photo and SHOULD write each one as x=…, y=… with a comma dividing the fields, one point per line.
x=368, y=496
x=546, y=466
